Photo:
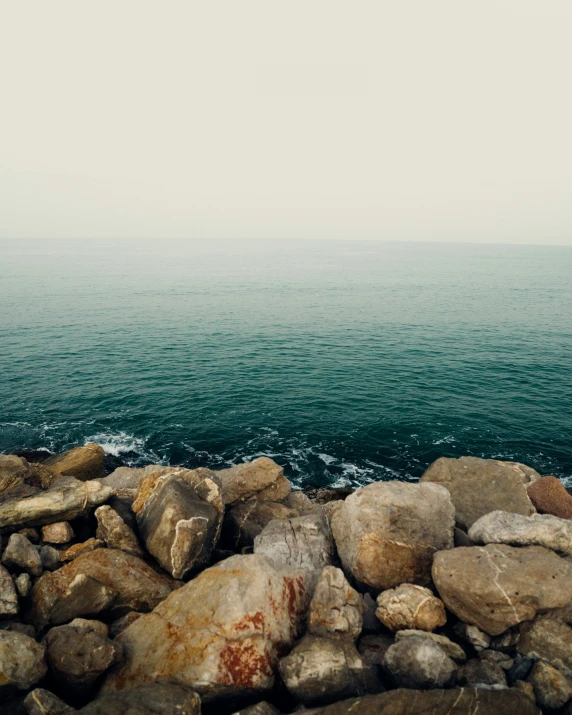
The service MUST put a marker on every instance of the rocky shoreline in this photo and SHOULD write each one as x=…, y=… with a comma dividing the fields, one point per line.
x=170, y=590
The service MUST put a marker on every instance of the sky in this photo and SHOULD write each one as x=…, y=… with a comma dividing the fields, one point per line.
x=400, y=120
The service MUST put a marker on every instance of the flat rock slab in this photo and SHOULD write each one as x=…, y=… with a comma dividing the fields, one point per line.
x=500, y=527
x=495, y=587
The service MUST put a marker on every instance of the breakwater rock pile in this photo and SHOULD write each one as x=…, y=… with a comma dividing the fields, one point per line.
x=177, y=591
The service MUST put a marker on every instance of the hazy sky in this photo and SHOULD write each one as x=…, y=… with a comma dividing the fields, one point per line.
x=390, y=119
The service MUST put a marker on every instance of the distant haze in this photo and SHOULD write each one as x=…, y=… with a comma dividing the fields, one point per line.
x=391, y=120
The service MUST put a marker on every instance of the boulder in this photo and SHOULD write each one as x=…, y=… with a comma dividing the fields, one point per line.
x=83, y=463
x=42, y=702
x=261, y=477
x=472, y=635
x=31, y=534
x=244, y=521
x=302, y=504
x=410, y=606
x=320, y=670
x=499, y=658
x=336, y=609
x=114, y=531
x=479, y=486
x=125, y=481
x=66, y=500
x=60, y=532
x=387, y=532
x=526, y=689
x=98, y=580
x=179, y=515
x=495, y=587
x=548, y=638
x=549, y=496
x=453, y=650
x=221, y=633
x=417, y=662
x=501, y=527
x=23, y=584
x=479, y=672
x=14, y=475
x=20, y=554
x=153, y=699
x=551, y=689
x=22, y=660
x=8, y=596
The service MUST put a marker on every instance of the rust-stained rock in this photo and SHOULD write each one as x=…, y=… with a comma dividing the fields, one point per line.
x=387, y=532
x=20, y=554
x=115, y=532
x=336, y=609
x=262, y=477
x=496, y=586
x=83, y=463
x=22, y=660
x=549, y=496
x=410, y=607
x=128, y=582
x=222, y=633
x=153, y=699
x=552, y=690
x=60, y=532
x=84, y=547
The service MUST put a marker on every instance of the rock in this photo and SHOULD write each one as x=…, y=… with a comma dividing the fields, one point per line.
x=478, y=672
x=331, y=508
x=119, y=625
x=494, y=656
x=410, y=606
x=59, y=532
x=387, y=532
x=472, y=635
x=304, y=543
x=20, y=554
x=8, y=596
x=16, y=627
x=78, y=655
x=262, y=708
x=519, y=670
x=90, y=624
x=507, y=641
x=479, y=486
x=14, y=471
x=31, y=534
x=153, y=699
x=221, y=633
x=495, y=587
x=80, y=549
x=551, y=689
x=336, y=609
x=51, y=558
x=453, y=650
x=66, y=500
x=247, y=519
x=22, y=660
x=416, y=662
x=372, y=648
x=526, y=689
x=42, y=702
x=548, y=638
x=456, y=701
x=179, y=515
x=321, y=670
x=23, y=584
x=500, y=527
x=299, y=502
x=83, y=463
x=262, y=477
x=549, y=496
x=114, y=531
x=95, y=581
x=125, y=481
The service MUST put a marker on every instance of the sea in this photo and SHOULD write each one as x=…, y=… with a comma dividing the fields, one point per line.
x=347, y=362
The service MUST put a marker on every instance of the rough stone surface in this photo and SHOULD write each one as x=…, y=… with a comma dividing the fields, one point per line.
x=244, y=521
x=14, y=471
x=471, y=634
x=479, y=486
x=417, y=662
x=478, y=672
x=66, y=500
x=106, y=578
x=549, y=638
x=80, y=549
x=302, y=504
x=549, y=496
x=22, y=660
x=42, y=702
x=23, y=584
x=500, y=527
x=322, y=670
x=372, y=648
x=221, y=633
x=50, y=557
x=21, y=554
x=31, y=534
x=551, y=689
x=245, y=480
x=8, y=595
x=60, y=532
x=387, y=532
x=453, y=650
x=125, y=481
x=410, y=606
x=179, y=515
x=336, y=609
x=114, y=531
x=83, y=463
x=153, y=699
x=495, y=587
x=120, y=624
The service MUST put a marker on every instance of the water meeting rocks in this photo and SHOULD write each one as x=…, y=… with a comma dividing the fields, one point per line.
x=83, y=463
x=410, y=606
x=386, y=533
x=549, y=496
x=479, y=486
x=495, y=587
x=262, y=478
x=336, y=609
x=179, y=515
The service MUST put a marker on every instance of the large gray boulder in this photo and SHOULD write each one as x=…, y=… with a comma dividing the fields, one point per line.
x=22, y=660
x=153, y=699
x=479, y=486
x=501, y=527
x=336, y=609
x=387, y=532
x=261, y=477
x=221, y=633
x=21, y=555
x=417, y=662
x=179, y=515
x=83, y=463
x=8, y=595
x=495, y=587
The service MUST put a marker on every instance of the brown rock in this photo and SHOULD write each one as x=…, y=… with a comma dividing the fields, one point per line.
x=125, y=481
x=14, y=473
x=548, y=638
x=480, y=672
x=83, y=463
x=80, y=549
x=60, y=532
x=244, y=521
x=495, y=587
x=245, y=480
x=336, y=609
x=119, y=625
x=114, y=531
x=42, y=702
x=551, y=689
x=453, y=650
x=20, y=554
x=549, y=496
x=23, y=584
x=8, y=596
x=410, y=607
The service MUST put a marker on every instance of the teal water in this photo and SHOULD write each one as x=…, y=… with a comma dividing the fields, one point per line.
x=344, y=361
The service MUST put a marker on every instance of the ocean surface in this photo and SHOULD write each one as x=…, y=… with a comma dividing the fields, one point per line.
x=345, y=361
